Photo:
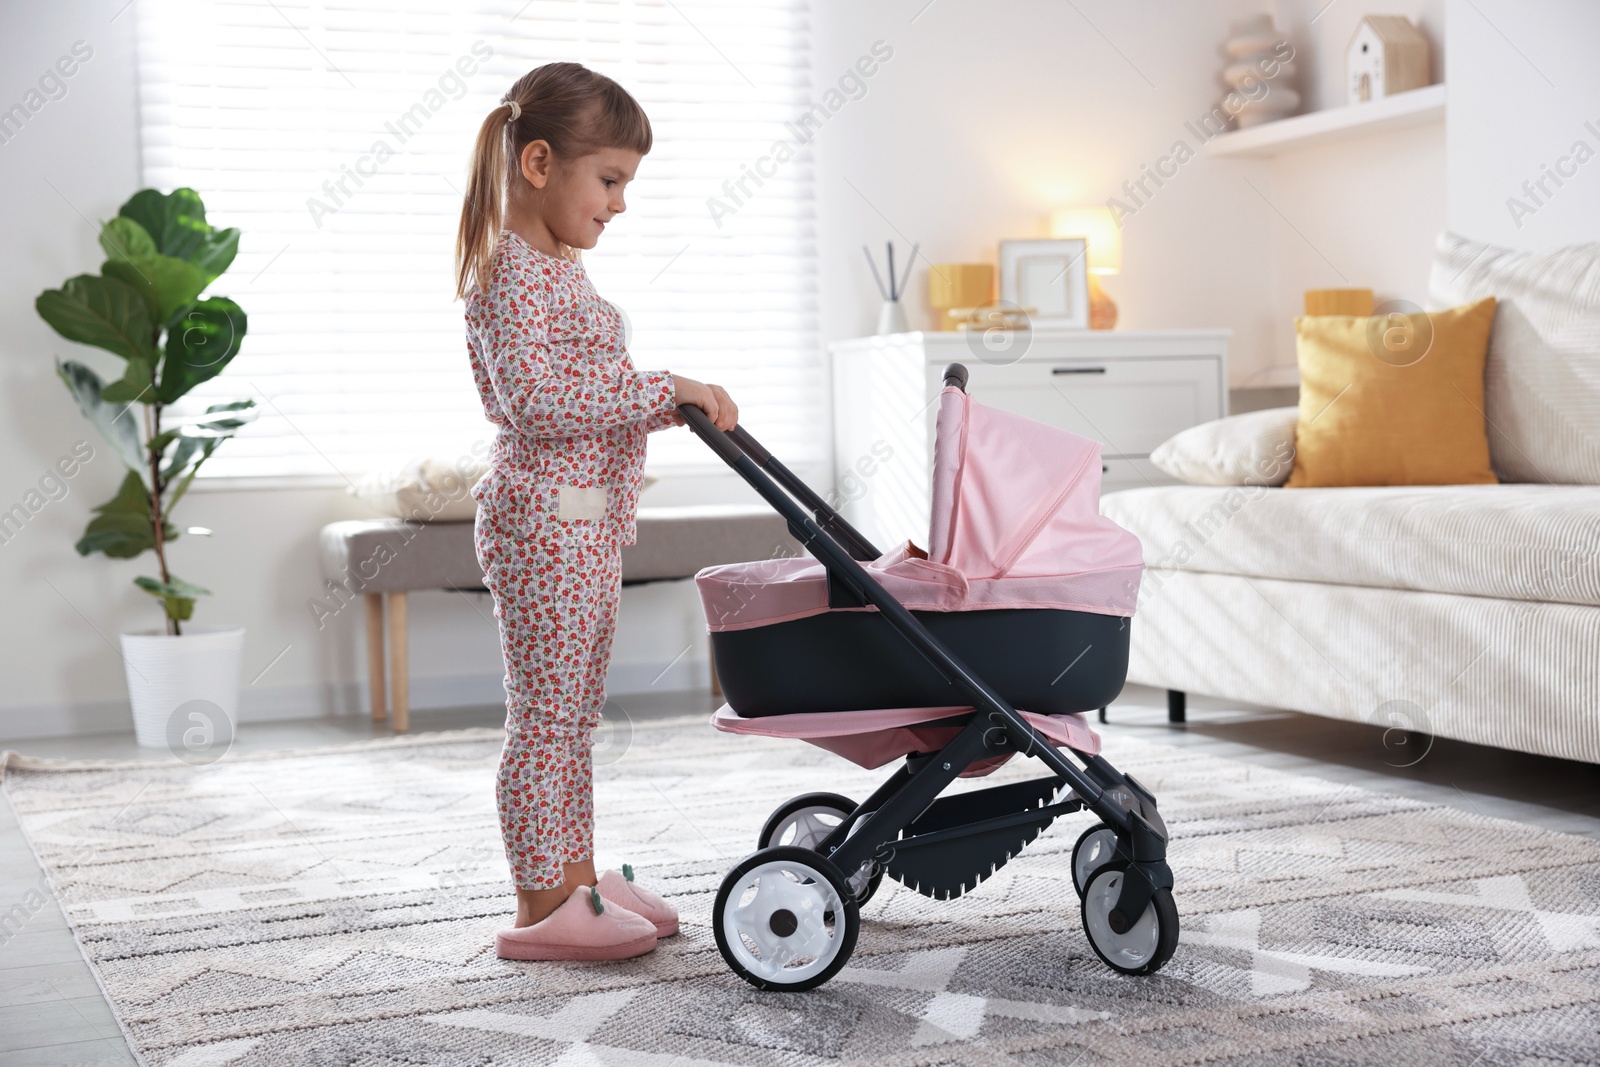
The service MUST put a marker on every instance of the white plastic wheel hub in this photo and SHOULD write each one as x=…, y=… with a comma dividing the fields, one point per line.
x=1098, y=848
x=808, y=827
x=783, y=921
x=1132, y=949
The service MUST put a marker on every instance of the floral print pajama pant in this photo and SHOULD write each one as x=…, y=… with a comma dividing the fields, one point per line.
x=555, y=599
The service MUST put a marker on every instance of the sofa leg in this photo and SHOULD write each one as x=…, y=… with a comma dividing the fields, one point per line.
x=1102, y=715
x=380, y=710
x=1175, y=706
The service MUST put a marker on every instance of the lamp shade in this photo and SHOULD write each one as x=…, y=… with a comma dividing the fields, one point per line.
x=1099, y=228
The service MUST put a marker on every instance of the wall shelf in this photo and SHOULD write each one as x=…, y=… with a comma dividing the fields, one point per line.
x=1415, y=108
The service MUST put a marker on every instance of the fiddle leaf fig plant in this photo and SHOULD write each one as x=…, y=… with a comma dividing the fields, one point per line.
x=145, y=307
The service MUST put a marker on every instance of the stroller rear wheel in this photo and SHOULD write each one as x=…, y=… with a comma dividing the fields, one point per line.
x=1096, y=847
x=1146, y=945
x=785, y=919
x=804, y=821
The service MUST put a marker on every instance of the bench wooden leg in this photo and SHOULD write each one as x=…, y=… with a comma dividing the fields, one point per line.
x=375, y=656
x=1176, y=710
x=399, y=683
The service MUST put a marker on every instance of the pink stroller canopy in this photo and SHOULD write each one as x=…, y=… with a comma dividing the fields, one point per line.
x=1016, y=523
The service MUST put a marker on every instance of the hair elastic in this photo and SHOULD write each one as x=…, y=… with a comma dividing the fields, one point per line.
x=516, y=110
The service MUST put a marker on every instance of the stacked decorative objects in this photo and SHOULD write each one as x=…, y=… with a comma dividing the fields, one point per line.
x=1259, y=74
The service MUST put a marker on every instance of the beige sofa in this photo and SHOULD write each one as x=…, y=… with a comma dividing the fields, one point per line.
x=1470, y=612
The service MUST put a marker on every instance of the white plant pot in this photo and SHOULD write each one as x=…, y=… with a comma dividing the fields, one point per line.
x=165, y=673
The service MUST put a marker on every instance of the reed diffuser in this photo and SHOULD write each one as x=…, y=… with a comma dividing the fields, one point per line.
x=891, y=316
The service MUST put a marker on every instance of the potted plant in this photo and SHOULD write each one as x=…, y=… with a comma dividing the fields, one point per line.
x=145, y=307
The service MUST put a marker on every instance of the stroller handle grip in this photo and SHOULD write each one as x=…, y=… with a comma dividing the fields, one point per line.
x=955, y=374
x=708, y=432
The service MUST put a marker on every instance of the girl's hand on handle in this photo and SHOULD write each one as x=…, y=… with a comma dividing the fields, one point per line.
x=711, y=399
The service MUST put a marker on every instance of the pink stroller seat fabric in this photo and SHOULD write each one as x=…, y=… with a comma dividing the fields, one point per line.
x=872, y=738
x=1016, y=523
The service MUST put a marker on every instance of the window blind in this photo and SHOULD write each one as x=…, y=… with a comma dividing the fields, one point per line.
x=336, y=136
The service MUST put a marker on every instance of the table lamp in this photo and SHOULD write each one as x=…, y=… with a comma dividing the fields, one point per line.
x=1096, y=226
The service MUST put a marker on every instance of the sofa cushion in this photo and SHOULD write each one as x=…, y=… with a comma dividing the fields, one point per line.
x=1542, y=376
x=1255, y=448
x=1392, y=399
x=1522, y=542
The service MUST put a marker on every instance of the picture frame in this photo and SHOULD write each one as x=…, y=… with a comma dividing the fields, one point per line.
x=1049, y=275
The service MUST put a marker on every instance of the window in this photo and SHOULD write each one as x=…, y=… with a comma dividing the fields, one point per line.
x=336, y=136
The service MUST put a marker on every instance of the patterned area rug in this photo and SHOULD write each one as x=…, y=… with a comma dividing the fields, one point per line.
x=337, y=907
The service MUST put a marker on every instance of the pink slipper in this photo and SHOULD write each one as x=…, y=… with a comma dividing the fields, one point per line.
x=584, y=927
x=625, y=891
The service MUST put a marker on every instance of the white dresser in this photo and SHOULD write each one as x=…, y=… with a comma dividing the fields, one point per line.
x=1129, y=390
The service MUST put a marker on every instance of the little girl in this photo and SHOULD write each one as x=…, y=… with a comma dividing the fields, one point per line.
x=559, y=499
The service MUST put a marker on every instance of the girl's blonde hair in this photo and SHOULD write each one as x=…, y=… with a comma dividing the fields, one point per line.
x=577, y=111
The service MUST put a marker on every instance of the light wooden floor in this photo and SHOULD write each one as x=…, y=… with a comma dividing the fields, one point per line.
x=52, y=1012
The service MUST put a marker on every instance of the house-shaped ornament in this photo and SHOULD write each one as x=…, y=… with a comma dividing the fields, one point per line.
x=1387, y=55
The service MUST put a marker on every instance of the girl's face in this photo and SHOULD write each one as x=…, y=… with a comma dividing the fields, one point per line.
x=574, y=199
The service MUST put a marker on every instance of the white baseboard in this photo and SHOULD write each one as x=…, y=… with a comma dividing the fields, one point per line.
x=22, y=722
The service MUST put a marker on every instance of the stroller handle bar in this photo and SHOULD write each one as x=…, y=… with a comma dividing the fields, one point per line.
x=838, y=546
x=737, y=442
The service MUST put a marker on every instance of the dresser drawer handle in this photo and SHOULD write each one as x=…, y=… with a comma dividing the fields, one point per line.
x=1105, y=468
x=1077, y=370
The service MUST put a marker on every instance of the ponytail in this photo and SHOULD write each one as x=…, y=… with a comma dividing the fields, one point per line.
x=576, y=111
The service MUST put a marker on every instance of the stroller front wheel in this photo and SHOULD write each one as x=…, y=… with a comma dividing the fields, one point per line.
x=1146, y=945
x=1096, y=847
x=804, y=821
x=785, y=919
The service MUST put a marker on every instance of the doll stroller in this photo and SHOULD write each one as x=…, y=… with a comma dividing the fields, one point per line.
x=1022, y=601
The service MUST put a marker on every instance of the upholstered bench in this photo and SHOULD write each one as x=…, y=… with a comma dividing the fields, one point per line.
x=382, y=560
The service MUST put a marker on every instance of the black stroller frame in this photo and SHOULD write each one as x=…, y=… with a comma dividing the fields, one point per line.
x=944, y=846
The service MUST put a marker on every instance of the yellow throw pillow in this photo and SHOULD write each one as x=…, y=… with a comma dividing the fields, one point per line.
x=1393, y=399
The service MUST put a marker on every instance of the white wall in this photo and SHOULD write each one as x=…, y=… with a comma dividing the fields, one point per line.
x=988, y=117
x=1358, y=213
x=1523, y=85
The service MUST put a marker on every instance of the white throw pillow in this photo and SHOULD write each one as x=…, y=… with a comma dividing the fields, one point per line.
x=429, y=490
x=1541, y=380
x=1256, y=448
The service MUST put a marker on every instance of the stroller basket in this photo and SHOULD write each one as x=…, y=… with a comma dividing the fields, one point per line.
x=1023, y=600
